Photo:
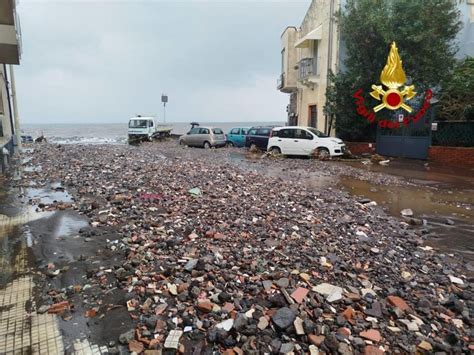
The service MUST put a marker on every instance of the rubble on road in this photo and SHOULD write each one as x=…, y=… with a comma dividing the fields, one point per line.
x=234, y=261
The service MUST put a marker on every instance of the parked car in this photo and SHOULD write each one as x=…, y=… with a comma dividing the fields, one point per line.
x=257, y=137
x=295, y=140
x=206, y=137
x=236, y=136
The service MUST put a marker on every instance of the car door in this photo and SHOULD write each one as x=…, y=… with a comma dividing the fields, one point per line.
x=203, y=136
x=243, y=134
x=234, y=136
x=285, y=140
x=190, y=138
x=303, y=142
x=262, y=138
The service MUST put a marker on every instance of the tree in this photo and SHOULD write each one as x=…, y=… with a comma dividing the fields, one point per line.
x=424, y=31
x=457, y=98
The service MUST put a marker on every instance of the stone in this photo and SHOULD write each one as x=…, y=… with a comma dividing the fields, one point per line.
x=286, y=348
x=371, y=334
x=190, y=265
x=316, y=339
x=262, y=323
x=326, y=289
x=127, y=337
x=135, y=346
x=425, y=346
x=283, y=282
x=373, y=350
x=205, y=306
x=298, y=323
x=398, y=302
x=407, y=212
x=226, y=325
x=456, y=280
x=299, y=294
x=284, y=317
x=375, y=311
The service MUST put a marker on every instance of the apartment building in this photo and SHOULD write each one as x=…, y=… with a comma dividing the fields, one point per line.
x=308, y=53
x=10, y=53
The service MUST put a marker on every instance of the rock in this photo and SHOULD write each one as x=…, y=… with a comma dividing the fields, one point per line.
x=226, y=325
x=300, y=294
x=126, y=337
x=205, y=306
x=262, y=323
x=316, y=339
x=407, y=212
x=456, y=280
x=298, y=324
x=190, y=265
x=398, y=302
x=284, y=317
x=43, y=309
x=371, y=334
x=287, y=348
x=425, y=346
x=283, y=282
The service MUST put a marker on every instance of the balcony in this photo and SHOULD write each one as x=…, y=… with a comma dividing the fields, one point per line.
x=10, y=33
x=308, y=70
x=281, y=82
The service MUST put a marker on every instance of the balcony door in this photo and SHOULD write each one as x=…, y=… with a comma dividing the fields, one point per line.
x=313, y=115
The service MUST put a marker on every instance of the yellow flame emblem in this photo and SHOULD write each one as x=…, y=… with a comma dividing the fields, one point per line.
x=393, y=76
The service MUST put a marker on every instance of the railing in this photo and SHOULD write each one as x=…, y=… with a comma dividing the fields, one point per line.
x=281, y=81
x=308, y=67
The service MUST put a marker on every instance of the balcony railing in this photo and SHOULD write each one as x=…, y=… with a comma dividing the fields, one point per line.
x=308, y=67
x=281, y=81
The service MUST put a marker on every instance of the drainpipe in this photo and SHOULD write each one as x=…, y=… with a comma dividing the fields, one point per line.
x=8, y=98
x=329, y=65
x=15, y=109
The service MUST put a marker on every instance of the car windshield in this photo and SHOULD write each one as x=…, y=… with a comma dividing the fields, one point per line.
x=137, y=123
x=317, y=133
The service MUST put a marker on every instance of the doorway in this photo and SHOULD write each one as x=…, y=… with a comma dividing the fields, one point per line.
x=313, y=116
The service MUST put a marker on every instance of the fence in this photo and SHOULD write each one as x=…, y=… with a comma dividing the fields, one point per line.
x=454, y=134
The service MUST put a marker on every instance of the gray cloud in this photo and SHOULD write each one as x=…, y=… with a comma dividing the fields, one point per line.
x=91, y=61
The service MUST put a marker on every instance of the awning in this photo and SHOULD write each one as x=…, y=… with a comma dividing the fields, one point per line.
x=314, y=35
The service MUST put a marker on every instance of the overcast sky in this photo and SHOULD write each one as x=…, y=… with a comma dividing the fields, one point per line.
x=104, y=61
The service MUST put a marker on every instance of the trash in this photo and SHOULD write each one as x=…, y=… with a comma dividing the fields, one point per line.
x=172, y=341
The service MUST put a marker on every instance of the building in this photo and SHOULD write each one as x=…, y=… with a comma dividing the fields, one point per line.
x=10, y=53
x=308, y=53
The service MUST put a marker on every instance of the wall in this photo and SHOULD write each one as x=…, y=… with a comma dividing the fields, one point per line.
x=289, y=59
x=452, y=155
x=359, y=148
x=5, y=114
x=318, y=14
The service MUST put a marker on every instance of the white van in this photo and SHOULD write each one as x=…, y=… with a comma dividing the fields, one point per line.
x=296, y=140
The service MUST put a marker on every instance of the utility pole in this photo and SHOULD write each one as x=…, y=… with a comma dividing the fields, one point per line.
x=15, y=108
x=164, y=100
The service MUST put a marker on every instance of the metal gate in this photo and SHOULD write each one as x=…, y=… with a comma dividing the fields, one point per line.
x=411, y=141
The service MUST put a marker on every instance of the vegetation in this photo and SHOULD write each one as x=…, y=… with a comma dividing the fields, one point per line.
x=424, y=31
x=457, y=98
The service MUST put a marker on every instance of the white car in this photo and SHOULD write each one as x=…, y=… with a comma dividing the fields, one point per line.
x=296, y=140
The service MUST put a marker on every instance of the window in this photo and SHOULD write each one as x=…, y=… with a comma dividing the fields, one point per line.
x=150, y=123
x=252, y=132
x=283, y=60
x=275, y=133
x=194, y=130
x=302, y=134
x=234, y=131
x=287, y=133
x=138, y=124
x=203, y=131
x=263, y=132
x=217, y=131
x=244, y=131
x=317, y=133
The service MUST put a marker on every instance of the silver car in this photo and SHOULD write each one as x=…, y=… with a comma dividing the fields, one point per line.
x=206, y=137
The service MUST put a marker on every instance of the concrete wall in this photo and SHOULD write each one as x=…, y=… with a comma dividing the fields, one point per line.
x=4, y=111
x=289, y=59
x=318, y=14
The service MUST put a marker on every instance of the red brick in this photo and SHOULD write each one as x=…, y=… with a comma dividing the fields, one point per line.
x=371, y=334
x=299, y=294
x=398, y=302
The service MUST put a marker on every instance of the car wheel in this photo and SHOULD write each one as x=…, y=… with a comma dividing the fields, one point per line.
x=207, y=145
x=323, y=153
x=275, y=150
x=181, y=142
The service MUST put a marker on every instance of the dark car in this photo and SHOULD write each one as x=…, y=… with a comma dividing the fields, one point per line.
x=257, y=137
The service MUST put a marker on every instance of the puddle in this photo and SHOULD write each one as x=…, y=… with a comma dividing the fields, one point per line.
x=435, y=206
x=69, y=225
x=48, y=196
x=28, y=215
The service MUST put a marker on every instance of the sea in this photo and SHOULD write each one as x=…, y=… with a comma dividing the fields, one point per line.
x=113, y=133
